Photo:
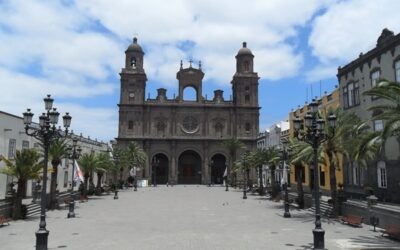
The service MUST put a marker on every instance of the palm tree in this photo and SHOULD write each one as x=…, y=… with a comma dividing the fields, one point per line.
x=137, y=157
x=258, y=159
x=103, y=164
x=271, y=157
x=87, y=162
x=233, y=145
x=121, y=161
x=57, y=151
x=243, y=165
x=301, y=152
x=351, y=139
x=26, y=167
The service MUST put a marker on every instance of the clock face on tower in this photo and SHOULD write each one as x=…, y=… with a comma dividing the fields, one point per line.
x=190, y=124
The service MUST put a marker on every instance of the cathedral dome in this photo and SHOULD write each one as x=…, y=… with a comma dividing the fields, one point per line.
x=244, y=50
x=134, y=47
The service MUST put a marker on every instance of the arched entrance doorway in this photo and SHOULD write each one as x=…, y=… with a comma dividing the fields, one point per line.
x=189, y=168
x=160, y=169
x=218, y=165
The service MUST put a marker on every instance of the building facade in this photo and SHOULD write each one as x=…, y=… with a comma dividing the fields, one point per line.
x=13, y=138
x=273, y=138
x=183, y=138
x=303, y=172
x=382, y=176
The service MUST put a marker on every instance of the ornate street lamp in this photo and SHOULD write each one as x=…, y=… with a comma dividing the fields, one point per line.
x=286, y=214
x=75, y=153
x=314, y=135
x=46, y=133
x=155, y=163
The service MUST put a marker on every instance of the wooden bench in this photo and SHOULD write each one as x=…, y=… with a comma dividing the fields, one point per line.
x=66, y=202
x=4, y=220
x=83, y=198
x=352, y=220
x=392, y=231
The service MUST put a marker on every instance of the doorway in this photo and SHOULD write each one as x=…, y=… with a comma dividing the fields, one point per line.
x=189, y=168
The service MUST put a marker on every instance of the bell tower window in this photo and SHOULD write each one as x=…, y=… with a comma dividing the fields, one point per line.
x=246, y=99
x=247, y=127
x=133, y=62
x=130, y=125
x=246, y=66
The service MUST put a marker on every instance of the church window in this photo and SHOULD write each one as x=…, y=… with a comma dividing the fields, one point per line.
x=133, y=62
x=218, y=129
x=247, y=88
x=247, y=127
x=247, y=99
x=130, y=125
x=160, y=126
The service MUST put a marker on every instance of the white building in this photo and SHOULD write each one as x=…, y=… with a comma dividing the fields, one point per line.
x=271, y=138
x=13, y=137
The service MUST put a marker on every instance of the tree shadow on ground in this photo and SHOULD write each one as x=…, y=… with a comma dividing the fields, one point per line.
x=305, y=247
x=374, y=242
x=262, y=198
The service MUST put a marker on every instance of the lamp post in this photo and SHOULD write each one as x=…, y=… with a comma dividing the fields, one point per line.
x=226, y=178
x=155, y=164
x=244, y=176
x=286, y=214
x=314, y=135
x=75, y=153
x=116, y=162
x=46, y=133
x=133, y=174
x=210, y=174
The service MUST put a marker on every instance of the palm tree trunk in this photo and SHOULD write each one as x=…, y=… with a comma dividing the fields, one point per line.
x=98, y=186
x=261, y=188
x=53, y=187
x=248, y=179
x=17, y=206
x=85, y=184
x=91, y=184
x=273, y=183
x=121, y=172
x=234, y=176
x=300, y=191
x=332, y=174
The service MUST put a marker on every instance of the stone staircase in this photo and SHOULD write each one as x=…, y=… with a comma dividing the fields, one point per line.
x=326, y=209
x=33, y=210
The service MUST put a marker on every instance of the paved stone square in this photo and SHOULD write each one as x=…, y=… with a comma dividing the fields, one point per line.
x=186, y=217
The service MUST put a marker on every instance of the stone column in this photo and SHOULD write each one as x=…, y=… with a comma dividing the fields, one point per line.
x=173, y=168
x=205, y=175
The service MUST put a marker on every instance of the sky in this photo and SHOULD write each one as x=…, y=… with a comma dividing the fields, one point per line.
x=74, y=50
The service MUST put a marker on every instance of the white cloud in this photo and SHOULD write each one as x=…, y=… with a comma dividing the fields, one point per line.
x=351, y=27
x=216, y=28
x=50, y=47
x=321, y=72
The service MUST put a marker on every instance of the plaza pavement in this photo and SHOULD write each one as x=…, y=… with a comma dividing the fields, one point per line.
x=186, y=217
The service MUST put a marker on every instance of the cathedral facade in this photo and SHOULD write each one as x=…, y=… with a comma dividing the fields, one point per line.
x=183, y=138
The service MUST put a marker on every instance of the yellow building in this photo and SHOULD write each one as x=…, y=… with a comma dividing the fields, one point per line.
x=302, y=171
